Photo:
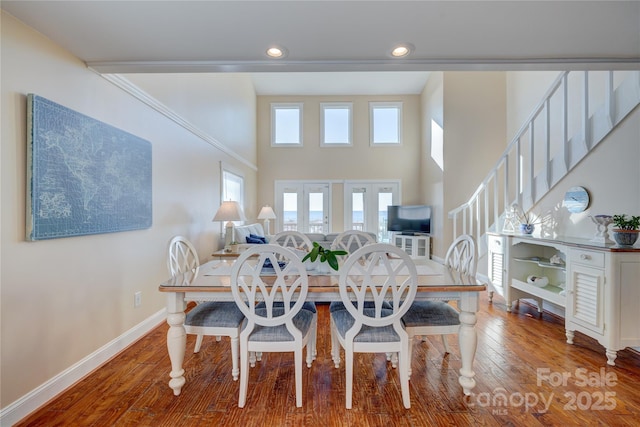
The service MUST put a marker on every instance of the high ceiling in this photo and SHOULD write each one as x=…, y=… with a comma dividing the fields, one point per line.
x=338, y=36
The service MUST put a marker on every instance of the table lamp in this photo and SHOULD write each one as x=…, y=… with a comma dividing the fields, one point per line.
x=229, y=211
x=267, y=214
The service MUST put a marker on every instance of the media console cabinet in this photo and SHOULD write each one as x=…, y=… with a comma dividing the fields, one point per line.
x=597, y=285
x=417, y=246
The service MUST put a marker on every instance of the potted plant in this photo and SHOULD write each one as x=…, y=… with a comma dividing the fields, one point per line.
x=625, y=230
x=324, y=255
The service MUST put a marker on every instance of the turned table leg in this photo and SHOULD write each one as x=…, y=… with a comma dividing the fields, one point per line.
x=176, y=339
x=468, y=340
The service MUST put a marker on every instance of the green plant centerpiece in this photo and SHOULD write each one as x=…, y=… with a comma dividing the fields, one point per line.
x=625, y=230
x=325, y=255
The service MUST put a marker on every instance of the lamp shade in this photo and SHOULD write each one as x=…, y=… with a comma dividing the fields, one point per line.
x=267, y=213
x=229, y=211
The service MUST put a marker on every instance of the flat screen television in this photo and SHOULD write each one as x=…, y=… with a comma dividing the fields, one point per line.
x=409, y=219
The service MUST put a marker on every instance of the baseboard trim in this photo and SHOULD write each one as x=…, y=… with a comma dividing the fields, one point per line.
x=37, y=397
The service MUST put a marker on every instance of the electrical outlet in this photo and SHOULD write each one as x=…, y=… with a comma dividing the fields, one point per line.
x=137, y=299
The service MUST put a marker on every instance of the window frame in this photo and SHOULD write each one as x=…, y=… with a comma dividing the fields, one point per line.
x=336, y=105
x=287, y=106
x=373, y=105
x=224, y=170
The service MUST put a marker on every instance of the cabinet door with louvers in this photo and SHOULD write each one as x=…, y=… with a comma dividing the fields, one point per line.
x=585, y=299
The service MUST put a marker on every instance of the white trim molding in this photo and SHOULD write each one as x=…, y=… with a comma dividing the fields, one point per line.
x=126, y=85
x=37, y=397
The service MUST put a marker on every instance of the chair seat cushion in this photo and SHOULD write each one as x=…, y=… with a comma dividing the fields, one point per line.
x=308, y=305
x=215, y=314
x=344, y=321
x=430, y=313
x=302, y=321
x=339, y=305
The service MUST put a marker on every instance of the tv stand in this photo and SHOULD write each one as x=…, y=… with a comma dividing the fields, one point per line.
x=416, y=245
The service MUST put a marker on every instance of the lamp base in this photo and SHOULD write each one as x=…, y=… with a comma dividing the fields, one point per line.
x=228, y=234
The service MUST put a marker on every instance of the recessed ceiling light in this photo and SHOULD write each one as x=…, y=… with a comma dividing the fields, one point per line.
x=402, y=50
x=276, y=52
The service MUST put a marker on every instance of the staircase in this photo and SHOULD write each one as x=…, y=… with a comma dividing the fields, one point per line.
x=578, y=111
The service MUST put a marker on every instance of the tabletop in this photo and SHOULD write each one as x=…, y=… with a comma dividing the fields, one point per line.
x=214, y=276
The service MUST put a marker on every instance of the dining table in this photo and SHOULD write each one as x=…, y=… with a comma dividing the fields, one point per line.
x=212, y=282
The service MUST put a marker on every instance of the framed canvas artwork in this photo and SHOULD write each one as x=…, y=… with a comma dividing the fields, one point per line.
x=84, y=176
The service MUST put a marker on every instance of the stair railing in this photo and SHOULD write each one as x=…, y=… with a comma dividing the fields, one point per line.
x=542, y=152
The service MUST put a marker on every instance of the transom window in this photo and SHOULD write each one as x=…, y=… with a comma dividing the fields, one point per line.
x=286, y=124
x=386, y=123
x=336, y=124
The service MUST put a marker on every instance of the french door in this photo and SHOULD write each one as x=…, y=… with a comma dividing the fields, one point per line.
x=365, y=206
x=304, y=206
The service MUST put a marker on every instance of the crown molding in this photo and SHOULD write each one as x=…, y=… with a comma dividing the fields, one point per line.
x=126, y=85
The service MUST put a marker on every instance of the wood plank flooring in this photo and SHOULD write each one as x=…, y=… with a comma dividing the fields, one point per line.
x=520, y=364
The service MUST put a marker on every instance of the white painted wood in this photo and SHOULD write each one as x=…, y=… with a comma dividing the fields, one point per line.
x=601, y=294
x=182, y=258
x=418, y=247
x=461, y=263
x=357, y=285
x=530, y=189
x=281, y=303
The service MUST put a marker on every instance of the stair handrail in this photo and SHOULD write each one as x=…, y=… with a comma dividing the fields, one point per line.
x=477, y=227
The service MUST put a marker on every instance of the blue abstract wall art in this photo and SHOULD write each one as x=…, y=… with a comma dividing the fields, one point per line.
x=84, y=176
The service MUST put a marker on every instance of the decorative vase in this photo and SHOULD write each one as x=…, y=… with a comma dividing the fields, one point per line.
x=602, y=222
x=527, y=228
x=625, y=237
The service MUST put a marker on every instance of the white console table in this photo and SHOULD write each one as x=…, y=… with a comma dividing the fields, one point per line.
x=596, y=284
x=417, y=246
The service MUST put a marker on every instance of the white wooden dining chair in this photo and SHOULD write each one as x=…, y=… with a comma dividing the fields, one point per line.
x=274, y=276
x=292, y=239
x=382, y=274
x=301, y=245
x=211, y=318
x=352, y=240
x=439, y=317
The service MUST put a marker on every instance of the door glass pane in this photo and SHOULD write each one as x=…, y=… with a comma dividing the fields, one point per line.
x=290, y=214
x=316, y=212
x=384, y=199
x=357, y=210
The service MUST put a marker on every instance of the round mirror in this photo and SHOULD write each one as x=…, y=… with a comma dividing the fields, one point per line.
x=576, y=199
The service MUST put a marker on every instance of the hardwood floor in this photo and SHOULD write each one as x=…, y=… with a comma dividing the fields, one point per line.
x=520, y=364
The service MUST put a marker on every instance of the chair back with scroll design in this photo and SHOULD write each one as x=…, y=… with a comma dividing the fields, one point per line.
x=269, y=284
x=351, y=241
x=382, y=275
x=461, y=260
x=213, y=318
x=182, y=256
x=293, y=240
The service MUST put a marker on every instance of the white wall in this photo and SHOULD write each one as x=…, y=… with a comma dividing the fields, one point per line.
x=610, y=173
x=63, y=299
x=431, y=174
x=359, y=162
x=474, y=136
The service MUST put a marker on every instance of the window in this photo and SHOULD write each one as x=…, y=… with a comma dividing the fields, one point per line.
x=385, y=120
x=437, y=144
x=286, y=125
x=232, y=187
x=335, y=124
